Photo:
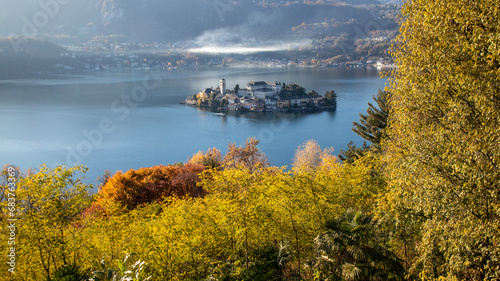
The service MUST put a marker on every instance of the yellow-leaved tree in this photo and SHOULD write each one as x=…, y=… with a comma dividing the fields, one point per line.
x=310, y=156
x=48, y=233
x=443, y=153
x=212, y=158
x=248, y=157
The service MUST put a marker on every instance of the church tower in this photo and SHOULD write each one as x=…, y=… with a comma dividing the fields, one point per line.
x=223, y=86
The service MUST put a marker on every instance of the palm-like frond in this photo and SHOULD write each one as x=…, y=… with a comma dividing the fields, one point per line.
x=350, y=272
x=348, y=249
x=357, y=253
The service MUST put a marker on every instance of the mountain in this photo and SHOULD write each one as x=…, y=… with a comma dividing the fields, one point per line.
x=20, y=55
x=33, y=18
x=181, y=20
x=22, y=47
x=233, y=21
x=321, y=29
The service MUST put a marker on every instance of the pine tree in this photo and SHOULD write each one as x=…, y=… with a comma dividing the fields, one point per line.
x=330, y=98
x=352, y=153
x=371, y=127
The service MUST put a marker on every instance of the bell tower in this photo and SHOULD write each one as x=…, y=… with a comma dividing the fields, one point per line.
x=223, y=86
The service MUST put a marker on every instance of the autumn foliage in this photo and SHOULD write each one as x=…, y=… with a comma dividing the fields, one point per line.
x=421, y=202
x=247, y=157
x=442, y=154
x=146, y=185
x=211, y=158
x=245, y=221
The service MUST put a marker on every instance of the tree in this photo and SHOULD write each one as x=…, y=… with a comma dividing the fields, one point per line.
x=214, y=103
x=146, y=185
x=349, y=250
x=371, y=127
x=442, y=153
x=210, y=159
x=269, y=264
x=237, y=88
x=296, y=90
x=104, y=178
x=48, y=206
x=331, y=98
x=313, y=93
x=248, y=157
x=353, y=153
x=71, y=272
x=309, y=156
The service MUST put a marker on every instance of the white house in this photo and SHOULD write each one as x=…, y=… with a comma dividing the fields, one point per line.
x=263, y=90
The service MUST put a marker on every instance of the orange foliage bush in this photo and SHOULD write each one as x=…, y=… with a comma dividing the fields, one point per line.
x=146, y=185
x=212, y=158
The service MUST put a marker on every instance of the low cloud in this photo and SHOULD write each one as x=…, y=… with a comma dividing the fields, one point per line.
x=256, y=48
x=254, y=36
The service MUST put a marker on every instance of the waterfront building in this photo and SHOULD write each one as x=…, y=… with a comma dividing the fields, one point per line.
x=263, y=90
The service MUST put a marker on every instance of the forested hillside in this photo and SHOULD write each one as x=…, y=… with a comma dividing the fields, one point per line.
x=184, y=20
x=174, y=21
x=26, y=55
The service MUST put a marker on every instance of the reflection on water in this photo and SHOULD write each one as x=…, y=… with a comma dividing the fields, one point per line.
x=60, y=120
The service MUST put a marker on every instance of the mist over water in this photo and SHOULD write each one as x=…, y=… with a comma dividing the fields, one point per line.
x=46, y=121
x=244, y=50
x=254, y=35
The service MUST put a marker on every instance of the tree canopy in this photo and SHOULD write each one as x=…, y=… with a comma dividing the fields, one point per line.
x=310, y=156
x=248, y=157
x=443, y=158
x=147, y=185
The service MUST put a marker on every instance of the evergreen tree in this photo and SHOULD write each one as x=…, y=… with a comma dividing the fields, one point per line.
x=313, y=93
x=331, y=98
x=352, y=153
x=371, y=127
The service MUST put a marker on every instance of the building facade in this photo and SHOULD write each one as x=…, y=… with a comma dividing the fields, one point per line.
x=263, y=90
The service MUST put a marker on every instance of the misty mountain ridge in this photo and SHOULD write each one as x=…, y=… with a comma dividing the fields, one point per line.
x=22, y=47
x=156, y=20
x=199, y=22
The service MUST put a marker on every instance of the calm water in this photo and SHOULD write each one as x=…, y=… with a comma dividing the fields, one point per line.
x=121, y=121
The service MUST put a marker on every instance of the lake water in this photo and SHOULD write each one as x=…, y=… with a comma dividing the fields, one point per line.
x=129, y=120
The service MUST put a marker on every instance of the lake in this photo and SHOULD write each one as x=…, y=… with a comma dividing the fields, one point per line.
x=133, y=119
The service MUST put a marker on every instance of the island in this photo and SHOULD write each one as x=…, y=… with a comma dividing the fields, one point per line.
x=261, y=96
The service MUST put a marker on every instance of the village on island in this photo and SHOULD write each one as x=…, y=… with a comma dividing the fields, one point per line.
x=260, y=96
